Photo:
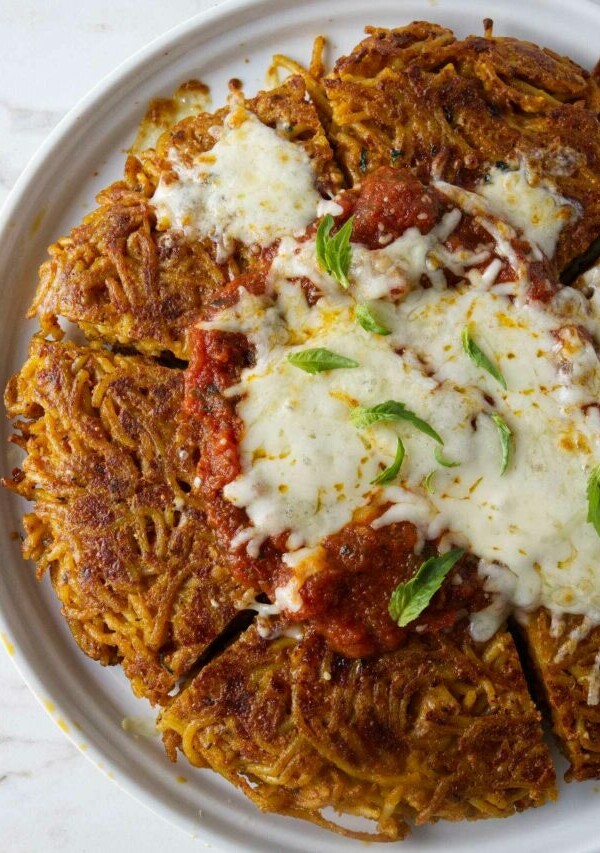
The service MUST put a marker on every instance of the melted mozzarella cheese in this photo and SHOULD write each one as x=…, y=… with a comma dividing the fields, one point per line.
x=253, y=186
x=306, y=469
x=536, y=210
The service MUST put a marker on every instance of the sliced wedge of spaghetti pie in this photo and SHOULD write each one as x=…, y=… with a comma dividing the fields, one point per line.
x=109, y=465
x=137, y=270
x=420, y=98
x=442, y=728
x=566, y=656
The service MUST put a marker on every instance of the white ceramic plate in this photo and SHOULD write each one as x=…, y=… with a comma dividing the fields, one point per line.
x=85, y=153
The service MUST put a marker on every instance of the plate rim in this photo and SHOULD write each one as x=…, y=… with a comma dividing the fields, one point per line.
x=136, y=64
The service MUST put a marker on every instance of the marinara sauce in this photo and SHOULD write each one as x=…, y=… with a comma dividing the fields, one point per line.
x=347, y=599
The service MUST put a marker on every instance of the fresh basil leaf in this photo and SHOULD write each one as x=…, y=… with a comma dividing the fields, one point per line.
x=505, y=434
x=479, y=358
x=593, y=498
x=393, y=470
x=318, y=360
x=428, y=483
x=442, y=460
x=391, y=410
x=364, y=160
x=322, y=239
x=334, y=253
x=367, y=319
x=410, y=599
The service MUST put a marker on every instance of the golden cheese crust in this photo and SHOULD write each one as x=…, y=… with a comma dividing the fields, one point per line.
x=419, y=98
x=441, y=729
x=109, y=465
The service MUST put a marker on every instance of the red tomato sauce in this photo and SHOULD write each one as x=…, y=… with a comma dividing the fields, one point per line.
x=391, y=201
x=347, y=599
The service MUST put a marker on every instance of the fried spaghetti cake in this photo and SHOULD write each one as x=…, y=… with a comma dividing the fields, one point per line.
x=331, y=444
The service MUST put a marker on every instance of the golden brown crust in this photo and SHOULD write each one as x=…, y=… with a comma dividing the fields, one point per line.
x=442, y=728
x=449, y=723
x=236, y=717
x=123, y=281
x=284, y=108
x=419, y=98
x=110, y=464
x=567, y=670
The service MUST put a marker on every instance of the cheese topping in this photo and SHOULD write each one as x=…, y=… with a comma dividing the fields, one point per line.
x=253, y=186
x=536, y=211
x=306, y=468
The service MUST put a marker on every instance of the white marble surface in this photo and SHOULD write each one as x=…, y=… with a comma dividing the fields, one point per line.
x=51, y=53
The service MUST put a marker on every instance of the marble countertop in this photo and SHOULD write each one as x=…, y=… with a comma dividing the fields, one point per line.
x=51, y=53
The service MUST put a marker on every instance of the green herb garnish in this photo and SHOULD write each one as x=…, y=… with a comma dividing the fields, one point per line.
x=428, y=483
x=505, y=433
x=392, y=471
x=593, y=497
x=395, y=153
x=442, y=460
x=367, y=319
x=391, y=410
x=318, y=360
x=479, y=358
x=410, y=599
x=363, y=161
x=334, y=253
